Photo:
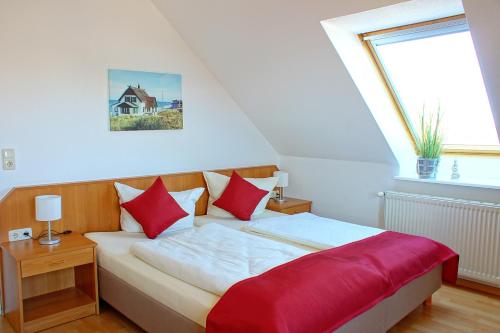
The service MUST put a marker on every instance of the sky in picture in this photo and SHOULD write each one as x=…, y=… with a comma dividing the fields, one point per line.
x=165, y=87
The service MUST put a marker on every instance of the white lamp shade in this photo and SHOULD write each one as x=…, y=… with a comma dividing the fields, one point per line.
x=48, y=207
x=282, y=178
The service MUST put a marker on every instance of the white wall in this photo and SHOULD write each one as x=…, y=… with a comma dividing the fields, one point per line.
x=53, y=92
x=343, y=190
x=483, y=20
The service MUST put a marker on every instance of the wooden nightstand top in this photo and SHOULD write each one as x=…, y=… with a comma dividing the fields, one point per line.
x=290, y=206
x=28, y=249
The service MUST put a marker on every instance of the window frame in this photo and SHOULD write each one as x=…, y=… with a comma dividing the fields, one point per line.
x=420, y=30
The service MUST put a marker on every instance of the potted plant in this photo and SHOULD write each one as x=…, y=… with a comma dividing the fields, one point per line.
x=429, y=144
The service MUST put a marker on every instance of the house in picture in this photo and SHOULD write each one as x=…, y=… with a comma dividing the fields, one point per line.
x=144, y=100
x=135, y=101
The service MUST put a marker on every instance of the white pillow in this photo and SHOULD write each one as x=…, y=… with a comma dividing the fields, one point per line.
x=217, y=183
x=185, y=199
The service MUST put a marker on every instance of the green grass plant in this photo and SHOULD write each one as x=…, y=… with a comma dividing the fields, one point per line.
x=165, y=120
x=429, y=141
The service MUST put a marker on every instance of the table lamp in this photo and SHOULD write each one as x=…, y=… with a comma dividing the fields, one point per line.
x=282, y=183
x=48, y=209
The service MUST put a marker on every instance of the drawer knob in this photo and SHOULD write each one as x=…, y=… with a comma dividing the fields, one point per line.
x=57, y=262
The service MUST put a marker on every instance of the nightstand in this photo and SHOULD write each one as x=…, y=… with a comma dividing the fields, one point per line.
x=48, y=285
x=290, y=206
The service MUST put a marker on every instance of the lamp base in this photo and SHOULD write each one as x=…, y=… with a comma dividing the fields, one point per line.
x=46, y=241
x=280, y=198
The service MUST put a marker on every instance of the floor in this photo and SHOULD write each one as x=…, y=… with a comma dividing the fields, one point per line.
x=108, y=321
x=456, y=310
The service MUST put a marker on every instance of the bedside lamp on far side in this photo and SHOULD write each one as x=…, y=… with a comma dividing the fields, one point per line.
x=282, y=183
x=48, y=209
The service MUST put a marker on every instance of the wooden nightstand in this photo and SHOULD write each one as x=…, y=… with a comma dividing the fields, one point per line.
x=47, y=285
x=290, y=206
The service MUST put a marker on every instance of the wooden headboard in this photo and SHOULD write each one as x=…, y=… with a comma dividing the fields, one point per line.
x=93, y=205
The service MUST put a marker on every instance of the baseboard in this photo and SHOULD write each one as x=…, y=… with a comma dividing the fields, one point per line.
x=478, y=286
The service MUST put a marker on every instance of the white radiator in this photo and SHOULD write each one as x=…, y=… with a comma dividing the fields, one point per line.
x=470, y=228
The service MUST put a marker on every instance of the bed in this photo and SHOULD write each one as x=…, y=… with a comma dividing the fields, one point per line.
x=154, y=300
x=159, y=302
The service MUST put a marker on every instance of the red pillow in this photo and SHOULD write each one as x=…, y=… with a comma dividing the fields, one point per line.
x=155, y=209
x=240, y=197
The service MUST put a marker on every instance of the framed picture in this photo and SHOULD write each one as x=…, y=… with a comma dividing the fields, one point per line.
x=142, y=101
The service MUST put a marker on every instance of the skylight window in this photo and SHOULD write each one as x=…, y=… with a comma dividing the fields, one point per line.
x=434, y=67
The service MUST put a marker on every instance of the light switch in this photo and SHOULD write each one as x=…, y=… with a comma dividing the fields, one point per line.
x=9, y=159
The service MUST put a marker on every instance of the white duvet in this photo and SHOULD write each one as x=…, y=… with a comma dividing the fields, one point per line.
x=214, y=257
x=311, y=230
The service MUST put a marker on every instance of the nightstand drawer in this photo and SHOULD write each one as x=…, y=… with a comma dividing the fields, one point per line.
x=56, y=262
x=305, y=208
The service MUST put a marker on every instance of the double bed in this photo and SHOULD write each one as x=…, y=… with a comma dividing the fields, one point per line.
x=159, y=302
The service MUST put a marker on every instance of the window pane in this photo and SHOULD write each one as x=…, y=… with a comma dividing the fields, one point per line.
x=442, y=70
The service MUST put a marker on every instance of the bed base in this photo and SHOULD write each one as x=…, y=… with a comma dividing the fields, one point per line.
x=154, y=317
x=145, y=311
x=391, y=310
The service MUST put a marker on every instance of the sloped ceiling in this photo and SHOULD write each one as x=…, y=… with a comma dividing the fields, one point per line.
x=278, y=64
x=275, y=59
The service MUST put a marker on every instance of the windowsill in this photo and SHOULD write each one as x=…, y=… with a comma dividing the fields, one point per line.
x=469, y=182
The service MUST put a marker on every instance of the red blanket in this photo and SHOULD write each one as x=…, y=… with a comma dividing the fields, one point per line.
x=322, y=291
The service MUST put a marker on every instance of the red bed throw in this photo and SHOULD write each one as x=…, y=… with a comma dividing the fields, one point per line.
x=322, y=291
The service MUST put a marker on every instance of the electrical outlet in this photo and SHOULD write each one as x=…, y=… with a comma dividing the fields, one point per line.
x=9, y=159
x=19, y=234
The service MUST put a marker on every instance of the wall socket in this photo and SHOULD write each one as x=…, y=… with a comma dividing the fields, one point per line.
x=18, y=234
x=8, y=159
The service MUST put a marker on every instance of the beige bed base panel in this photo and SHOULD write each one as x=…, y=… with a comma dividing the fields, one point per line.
x=145, y=311
x=154, y=317
x=391, y=310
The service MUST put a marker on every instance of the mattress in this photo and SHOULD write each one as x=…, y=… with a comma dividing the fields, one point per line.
x=233, y=222
x=311, y=230
x=113, y=255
